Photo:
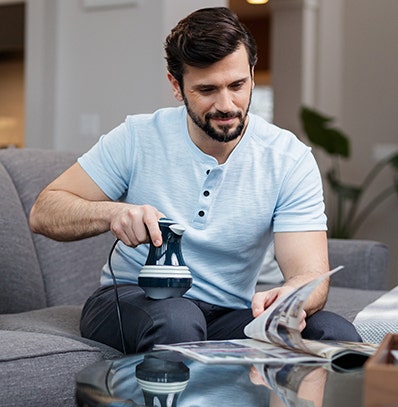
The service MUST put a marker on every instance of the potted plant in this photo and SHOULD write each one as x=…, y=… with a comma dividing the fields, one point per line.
x=349, y=214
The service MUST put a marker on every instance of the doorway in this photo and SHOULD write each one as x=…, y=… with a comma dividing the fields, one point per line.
x=257, y=18
x=12, y=101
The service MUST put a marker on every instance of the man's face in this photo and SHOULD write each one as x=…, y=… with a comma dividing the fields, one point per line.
x=218, y=97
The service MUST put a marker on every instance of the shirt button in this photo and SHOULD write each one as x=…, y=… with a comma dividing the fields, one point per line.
x=206, y=193
x=201, y=214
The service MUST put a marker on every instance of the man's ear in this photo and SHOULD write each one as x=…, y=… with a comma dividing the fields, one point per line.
x=175, y=86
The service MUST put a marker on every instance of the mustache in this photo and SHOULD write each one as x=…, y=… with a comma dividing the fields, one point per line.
x=223, y=115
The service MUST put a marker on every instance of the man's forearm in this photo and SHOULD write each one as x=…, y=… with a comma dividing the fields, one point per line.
x=64, y=216
x=302, y=257
x=318, y=297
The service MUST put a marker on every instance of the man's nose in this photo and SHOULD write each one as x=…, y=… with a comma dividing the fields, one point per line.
x=224, y=101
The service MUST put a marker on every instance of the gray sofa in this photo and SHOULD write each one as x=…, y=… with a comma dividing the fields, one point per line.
x=44, y=283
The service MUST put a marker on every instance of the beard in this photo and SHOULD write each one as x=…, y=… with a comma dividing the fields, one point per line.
x=222, y=134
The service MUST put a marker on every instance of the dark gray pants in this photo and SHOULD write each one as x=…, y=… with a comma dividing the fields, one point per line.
x=147, y=322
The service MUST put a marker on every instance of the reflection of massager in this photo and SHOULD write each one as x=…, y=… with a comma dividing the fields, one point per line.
x=165, y=273
x=161, y=381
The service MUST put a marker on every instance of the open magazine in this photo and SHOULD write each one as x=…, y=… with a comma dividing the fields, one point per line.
x=276, y=339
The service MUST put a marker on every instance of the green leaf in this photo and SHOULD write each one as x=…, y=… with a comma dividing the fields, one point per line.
x=318, y=131
x=335, y=142
x=394, y=160
x=311, y=116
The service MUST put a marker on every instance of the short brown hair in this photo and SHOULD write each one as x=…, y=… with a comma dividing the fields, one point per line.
x=204, y=37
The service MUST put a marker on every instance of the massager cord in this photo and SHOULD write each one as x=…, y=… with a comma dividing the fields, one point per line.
x=119, y=314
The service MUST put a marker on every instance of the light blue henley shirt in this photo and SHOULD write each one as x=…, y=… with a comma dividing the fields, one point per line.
x=270, y=183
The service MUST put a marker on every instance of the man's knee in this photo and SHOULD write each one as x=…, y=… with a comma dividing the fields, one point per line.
x=326, y=325
x=173, y=320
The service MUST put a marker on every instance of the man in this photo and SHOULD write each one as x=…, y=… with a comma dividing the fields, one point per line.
x=234, y=181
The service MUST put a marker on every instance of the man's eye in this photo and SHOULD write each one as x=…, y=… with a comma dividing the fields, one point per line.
x=236, y=86
x=206, y=90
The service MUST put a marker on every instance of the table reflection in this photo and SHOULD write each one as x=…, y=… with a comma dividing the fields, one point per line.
x=166, y=379
x=161, y=380
x=293, y=385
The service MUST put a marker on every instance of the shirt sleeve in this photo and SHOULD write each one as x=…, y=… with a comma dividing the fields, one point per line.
x=109, y=161
x=300, y=205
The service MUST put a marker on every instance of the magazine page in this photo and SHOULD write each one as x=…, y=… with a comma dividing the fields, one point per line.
x=240, y=351
x=279, y=323
x=342, y=355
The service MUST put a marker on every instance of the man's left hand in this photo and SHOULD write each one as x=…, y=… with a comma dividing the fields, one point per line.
x=262, y=300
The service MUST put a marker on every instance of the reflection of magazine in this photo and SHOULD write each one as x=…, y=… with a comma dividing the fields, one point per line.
x=294, y=384
x=276, y=338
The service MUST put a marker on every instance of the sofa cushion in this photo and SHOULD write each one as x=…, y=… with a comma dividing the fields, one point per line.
x=61, y=320
x=70, y=270
x=365, y=261
x=21, y=281
x=347, y=302
x=39, y=370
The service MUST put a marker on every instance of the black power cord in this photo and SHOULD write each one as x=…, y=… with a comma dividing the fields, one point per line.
x=119, y=314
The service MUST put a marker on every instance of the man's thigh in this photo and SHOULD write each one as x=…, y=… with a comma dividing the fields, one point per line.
x=326, y=325
x=229, y=325
x=145, y=321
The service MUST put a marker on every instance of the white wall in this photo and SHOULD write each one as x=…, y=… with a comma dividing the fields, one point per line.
x=40, y=44
x=353, y=80
x=88, y=68
x=369, y=108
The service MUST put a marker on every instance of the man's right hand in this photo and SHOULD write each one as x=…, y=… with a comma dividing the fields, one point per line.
x=137, y=224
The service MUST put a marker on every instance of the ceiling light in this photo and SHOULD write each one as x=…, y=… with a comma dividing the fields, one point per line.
x=257, y=1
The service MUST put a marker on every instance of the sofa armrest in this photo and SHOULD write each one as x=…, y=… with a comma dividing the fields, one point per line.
x=365, y=263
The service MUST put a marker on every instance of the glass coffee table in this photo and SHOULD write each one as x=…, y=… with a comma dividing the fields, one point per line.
x=165, y=378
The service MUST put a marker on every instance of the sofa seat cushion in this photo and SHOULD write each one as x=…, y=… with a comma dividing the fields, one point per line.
x=61, y=320
x=347, y=302
x=39, y=369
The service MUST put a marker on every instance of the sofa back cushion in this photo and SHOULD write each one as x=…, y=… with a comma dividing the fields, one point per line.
x=67, y=272
x=365, y=263
x=21, y=283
